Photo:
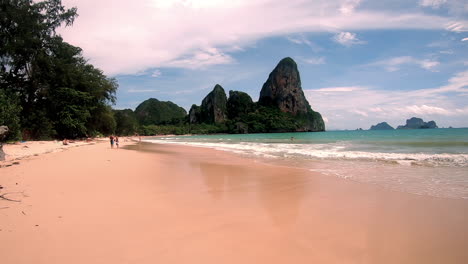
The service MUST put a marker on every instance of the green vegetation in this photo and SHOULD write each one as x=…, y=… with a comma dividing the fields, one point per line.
x=243, y=116
x=263, y=120
x=155, y=112
x=126, y=122
x=239, y=104
x=49, y=88
x=10, y=115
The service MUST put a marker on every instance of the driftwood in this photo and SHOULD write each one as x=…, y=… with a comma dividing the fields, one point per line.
x=8, y=199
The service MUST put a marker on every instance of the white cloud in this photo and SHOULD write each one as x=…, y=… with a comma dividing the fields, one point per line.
x=457, y=83
x=457, y=7
x=428, y=64
x=432, y=3
x=125, y=39
x=340, y=89
x=448, y=52
x=142, y=90
x=426, y=110
x=359, y=112
x=348, y=6
x=314, y=61
x=300, y=39
x=457, y=26
x=347, y=39
x=465, y=39
x=372, y=106
x=395, y=63
x=156, y=73
x=202, y=58
x=462, y=111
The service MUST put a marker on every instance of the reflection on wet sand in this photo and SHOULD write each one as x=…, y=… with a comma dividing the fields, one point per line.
x=225, y=207
x=282, y=195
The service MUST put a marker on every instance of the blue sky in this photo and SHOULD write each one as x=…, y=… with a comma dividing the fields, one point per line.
x=361, y=62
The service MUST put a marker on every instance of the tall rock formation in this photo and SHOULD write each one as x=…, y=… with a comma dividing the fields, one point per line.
x=194, y=114
x=214, y=107
x=283, y=90
x=381, y=126
x=417, y=123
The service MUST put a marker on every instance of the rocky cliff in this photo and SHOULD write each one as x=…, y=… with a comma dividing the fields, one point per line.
x=194, y=114
x=417, y=123
x=214, y=107
x=381, y=126
x=283, y=90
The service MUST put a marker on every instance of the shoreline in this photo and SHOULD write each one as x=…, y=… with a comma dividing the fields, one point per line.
x=407, y=176
x=177, y=204
x=20, y=150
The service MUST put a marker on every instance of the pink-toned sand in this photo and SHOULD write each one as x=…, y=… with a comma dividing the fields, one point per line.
x=172, y=204
x=20, y=150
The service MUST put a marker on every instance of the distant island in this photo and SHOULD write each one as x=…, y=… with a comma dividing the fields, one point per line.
x=412, y=123
x=381, y=126
x=418, y=123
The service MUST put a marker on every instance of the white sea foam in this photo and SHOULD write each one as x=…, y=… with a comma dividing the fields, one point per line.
x=327, y=151
x=441, y=175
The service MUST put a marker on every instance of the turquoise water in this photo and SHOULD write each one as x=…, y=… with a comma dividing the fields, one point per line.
x=423, y=161
x=447, y=147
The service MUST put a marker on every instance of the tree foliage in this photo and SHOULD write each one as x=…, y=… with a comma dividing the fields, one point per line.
x=126, y=122
x=10, y=115
x=239, y=104
x=59, y=93
x=155, y=112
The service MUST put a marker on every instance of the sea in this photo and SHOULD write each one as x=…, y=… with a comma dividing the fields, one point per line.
x=431, y=162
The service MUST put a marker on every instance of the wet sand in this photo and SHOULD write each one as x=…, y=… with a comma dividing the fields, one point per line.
x=172, y=204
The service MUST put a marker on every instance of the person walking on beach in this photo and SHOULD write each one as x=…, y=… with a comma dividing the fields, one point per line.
x=117, y=141
x=112, y=141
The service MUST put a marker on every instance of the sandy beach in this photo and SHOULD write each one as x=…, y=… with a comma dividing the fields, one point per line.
x=152, y=203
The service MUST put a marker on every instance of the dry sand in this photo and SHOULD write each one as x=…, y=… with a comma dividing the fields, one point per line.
x=20, y=150
x=172, y=204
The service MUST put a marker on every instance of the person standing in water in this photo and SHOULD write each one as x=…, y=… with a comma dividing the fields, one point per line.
x=112, y=141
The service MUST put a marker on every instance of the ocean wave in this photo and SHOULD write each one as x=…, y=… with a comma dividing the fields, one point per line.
x=328, y=151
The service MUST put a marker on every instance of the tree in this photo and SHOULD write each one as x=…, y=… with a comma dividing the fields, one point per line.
x=60, y=94
x=126, y=122
x=10, y=115
x=155, y=112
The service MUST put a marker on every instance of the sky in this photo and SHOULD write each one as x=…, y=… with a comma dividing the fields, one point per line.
x=361, y=62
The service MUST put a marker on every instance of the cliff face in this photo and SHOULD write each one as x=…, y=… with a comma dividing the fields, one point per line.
x=417, y=123
x=214, y=107
x=194, y=114
x=283, y=90
x=431, y=124
x=381, y=126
